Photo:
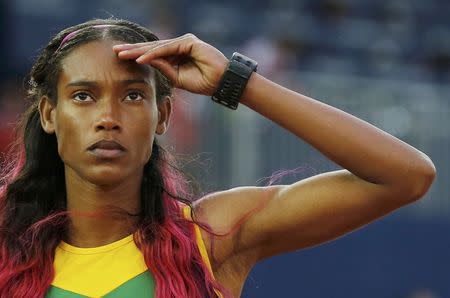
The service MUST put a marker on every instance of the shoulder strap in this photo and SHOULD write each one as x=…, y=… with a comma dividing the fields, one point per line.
x=198, y=239
x=200, y=244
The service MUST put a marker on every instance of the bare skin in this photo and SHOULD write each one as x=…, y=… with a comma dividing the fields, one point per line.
x=103, y=97
x=376, y=180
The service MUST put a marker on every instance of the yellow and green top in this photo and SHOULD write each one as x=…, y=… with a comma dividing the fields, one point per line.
x=114, y=270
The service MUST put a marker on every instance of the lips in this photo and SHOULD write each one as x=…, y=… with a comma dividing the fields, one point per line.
x=107, y=149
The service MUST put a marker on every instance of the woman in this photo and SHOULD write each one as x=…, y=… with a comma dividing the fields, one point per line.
x=91, y=205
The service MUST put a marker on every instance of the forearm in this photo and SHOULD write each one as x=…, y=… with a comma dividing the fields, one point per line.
x=354, y=144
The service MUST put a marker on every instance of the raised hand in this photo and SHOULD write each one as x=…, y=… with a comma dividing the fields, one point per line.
x=187, y=61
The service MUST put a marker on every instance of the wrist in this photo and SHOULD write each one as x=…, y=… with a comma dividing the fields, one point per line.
x=234, y=80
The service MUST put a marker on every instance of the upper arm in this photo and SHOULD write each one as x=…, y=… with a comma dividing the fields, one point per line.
x=291, y=217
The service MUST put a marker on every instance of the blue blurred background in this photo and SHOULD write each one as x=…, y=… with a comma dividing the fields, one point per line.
x=386, y=62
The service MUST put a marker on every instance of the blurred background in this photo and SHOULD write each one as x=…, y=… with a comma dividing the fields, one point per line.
x=386, y=62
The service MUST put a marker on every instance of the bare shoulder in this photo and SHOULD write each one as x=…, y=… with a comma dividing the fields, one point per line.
x=225, y=211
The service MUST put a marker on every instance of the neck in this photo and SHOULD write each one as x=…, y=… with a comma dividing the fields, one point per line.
x=109, y=203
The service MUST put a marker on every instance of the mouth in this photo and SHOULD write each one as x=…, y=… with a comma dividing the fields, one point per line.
x=107, y=149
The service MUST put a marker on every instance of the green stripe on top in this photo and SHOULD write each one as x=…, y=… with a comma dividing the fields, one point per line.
x=55, y=292
x=140, y=286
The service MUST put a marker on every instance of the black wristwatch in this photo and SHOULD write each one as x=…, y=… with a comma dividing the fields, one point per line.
x=234, y=80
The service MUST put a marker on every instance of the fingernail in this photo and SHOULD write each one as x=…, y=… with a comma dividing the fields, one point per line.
x=118, y=46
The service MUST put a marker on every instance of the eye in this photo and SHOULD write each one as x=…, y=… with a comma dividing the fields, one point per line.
x=135, y=96
x=82, y=96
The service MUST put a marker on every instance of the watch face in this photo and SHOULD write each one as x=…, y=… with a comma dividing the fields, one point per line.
x=252, y=64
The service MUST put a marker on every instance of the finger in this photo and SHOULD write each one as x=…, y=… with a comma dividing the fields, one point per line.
x=174, y=47
x=132, y=51
x=122, y=47
x=128, y=46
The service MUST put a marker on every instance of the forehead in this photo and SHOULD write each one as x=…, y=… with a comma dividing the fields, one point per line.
x=96, y=61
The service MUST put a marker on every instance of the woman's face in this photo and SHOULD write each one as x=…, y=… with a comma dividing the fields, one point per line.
x=101, y=97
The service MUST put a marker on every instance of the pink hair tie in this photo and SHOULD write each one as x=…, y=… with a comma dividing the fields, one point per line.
x=73, y=33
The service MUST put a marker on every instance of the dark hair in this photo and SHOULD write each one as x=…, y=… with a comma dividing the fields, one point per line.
x=33, y=215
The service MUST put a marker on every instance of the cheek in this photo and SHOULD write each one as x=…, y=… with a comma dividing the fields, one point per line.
x=68, y=133
x=140, y=126
x=143, y=135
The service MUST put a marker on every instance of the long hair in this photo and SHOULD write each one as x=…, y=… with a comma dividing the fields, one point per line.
x=33, y=215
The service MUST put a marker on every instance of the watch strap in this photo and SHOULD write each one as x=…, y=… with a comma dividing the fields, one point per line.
x=234, y=80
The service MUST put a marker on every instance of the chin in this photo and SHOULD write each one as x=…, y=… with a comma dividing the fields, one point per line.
x=104, y=174
x=105, y=181
x=107, y=176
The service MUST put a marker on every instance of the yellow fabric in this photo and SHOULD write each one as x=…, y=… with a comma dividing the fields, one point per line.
x=200, y=244
x=199, y=240
x=96, y=271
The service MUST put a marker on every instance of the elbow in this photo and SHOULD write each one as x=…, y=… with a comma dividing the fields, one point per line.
x=423, y=181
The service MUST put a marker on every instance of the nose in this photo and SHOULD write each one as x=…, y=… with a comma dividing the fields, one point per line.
x=108, y=117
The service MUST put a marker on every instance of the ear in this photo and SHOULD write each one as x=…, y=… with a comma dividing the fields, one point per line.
x=47, y=114
x=164, y=112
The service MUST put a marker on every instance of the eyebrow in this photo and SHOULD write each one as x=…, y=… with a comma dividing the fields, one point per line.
x=95, y=84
